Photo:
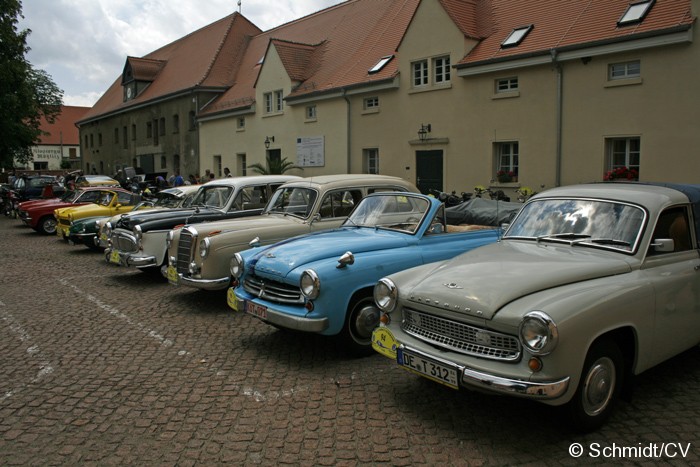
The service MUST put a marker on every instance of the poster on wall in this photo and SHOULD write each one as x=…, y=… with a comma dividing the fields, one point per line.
x=311, y=151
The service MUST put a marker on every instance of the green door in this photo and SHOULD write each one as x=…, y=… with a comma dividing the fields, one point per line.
x=429, y=171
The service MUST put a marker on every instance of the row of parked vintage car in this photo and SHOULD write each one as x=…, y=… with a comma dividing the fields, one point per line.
x=563, y=299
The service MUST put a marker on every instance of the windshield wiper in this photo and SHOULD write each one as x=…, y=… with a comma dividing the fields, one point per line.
x=563, y=236
x=610, y=241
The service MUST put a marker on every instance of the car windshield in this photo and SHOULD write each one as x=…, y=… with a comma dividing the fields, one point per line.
x=389, y=211
x=587, y=222
x=167, y=200
x=213, y=196
x=294, y=201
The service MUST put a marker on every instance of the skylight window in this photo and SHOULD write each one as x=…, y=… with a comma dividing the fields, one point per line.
x=636, y=12
x=516, y=36
x=380, y=64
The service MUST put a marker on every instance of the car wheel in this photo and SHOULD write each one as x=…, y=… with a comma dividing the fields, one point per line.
x=47, y=225
x=599, y=387
x=361, y=319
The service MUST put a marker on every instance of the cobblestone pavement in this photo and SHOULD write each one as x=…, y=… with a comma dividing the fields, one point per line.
x=111, y=366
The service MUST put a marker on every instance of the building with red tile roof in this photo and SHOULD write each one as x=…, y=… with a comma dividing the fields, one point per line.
x=506, y=92
x=59, y=142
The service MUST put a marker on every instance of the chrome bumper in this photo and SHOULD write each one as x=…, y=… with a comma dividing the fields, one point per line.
x=204, y=284
x=479, y=380
x=130, y=259
x=296, y=323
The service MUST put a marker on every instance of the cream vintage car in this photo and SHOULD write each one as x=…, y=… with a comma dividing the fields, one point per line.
x=199, y=255
x=589, y=286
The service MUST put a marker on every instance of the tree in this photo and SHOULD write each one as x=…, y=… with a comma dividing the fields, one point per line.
x=274, y=166
x=26, y=94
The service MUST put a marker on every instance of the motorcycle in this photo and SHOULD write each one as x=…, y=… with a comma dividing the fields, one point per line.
x=450, y=199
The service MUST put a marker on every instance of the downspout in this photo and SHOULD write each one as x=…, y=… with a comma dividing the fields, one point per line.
x=348, y=130
x=559, y=117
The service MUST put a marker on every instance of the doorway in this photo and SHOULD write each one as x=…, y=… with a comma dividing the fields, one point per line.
x=429, y=170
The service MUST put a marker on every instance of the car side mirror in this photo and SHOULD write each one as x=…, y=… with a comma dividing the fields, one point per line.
x=254, y=243
x=663, y=245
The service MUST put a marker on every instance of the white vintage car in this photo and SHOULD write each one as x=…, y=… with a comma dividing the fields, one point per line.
x=199, y=255
x=589, y=286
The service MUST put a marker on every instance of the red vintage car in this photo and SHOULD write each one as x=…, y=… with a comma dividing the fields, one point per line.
x=38, y=214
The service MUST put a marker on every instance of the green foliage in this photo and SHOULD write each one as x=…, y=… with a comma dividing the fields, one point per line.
x=26, y=94
x=274, y=166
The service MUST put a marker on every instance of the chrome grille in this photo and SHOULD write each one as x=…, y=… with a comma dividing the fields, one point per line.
x=272, y=290
x=460, y=337
x=124, y=242
x=185, y=246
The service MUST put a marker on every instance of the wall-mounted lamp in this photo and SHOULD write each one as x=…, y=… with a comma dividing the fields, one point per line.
x=268, y=140
x=423, y=132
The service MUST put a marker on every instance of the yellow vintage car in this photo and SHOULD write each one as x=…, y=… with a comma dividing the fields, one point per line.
x=110, y=203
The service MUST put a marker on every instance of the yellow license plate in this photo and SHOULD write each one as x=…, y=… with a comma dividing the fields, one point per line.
x=231, y=299
x=114, y=257
x=384, y=342
x=172, y=275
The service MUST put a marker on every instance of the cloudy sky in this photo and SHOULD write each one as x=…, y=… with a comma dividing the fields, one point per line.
x=83, y=44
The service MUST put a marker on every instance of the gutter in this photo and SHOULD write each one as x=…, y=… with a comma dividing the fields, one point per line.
x=348, y=130
x=559, y=116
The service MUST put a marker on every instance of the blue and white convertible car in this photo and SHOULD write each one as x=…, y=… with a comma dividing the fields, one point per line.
x=323, y=282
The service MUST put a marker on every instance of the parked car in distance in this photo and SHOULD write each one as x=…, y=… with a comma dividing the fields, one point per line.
x=96, y=180
x=199, y=255
x=32, y=187
x=91, y=231
x=322, y=282
x=138, y=239
x=110, y=202
x=589, y=286
x=39, y=214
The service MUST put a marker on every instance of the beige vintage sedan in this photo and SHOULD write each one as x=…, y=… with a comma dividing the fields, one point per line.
x=199, y=255
x=589, y=286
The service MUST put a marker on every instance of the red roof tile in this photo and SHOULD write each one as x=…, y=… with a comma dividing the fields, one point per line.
x=567, y=23
x=63, y=130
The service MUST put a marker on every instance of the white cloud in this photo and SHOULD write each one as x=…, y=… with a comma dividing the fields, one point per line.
x=83, y=44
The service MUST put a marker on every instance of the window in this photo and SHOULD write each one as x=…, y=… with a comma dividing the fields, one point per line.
x=155, y=131
x=380, y=64
x=86, y=141
x=420, y=73
x=176, y=123
x=92, y=140
x=507, y=167
x=191, y=120
x=635, y=13
x=625, y=70
x=149, y=130
x=240, y=123
x=162, y=126
x=311, y=112
x=623, y=158
x=268, y=102
x=516, y=36
x=217, y=165
x=339, y=203
x=371, y=161
x=99, y=139
x=163, y=162
x=370, y=103
x=507, y=84
x=673, y=224
x=441, y=67
x=125, y=138
x=116, y=136
x=241, y=165
x=133, y=132
x=278, y=101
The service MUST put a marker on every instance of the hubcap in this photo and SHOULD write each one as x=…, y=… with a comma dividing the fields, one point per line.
x=599, y=386
x=366, y=319
x=50, y=226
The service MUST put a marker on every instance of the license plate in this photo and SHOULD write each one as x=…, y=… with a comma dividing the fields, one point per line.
x=114, y=257
x=438, y=372
x=172, y=275
x=232, y=300
x=256, y=310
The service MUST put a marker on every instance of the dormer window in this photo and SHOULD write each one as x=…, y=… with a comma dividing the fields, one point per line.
x=636, y=12
x=516, y=36
x=380, y=64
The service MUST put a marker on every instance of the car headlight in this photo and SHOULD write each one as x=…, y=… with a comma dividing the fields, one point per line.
x=538, y=333
x=386, y=295
x=310, y=284
x=169, y=239
x=236, y=266
x=138, y=233
x=204, y=246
